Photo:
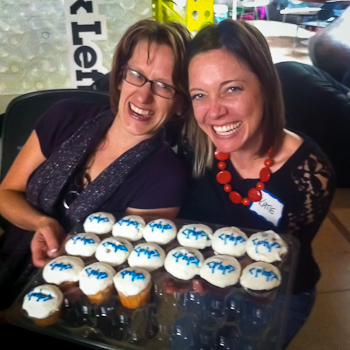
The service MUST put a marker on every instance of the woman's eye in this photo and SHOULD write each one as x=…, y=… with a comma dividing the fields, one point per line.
x=232, y=89
x=197, y=97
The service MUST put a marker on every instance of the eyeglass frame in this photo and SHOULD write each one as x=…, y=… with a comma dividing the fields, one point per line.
x=126, y=68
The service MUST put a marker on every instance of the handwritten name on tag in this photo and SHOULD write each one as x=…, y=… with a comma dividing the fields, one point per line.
x=270, y=208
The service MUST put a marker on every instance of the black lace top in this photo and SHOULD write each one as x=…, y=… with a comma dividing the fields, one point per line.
x=305, y=185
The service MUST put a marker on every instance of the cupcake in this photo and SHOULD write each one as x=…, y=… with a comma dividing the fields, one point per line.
x=43, y=304
x=133, y=286
x=195, y=235
x=96, y=282
x=82, y=244
x=113, y=251
x=99, y=223
x=260, y=276
x=129, y=227
x=160, y=231
x=148, y=256
x=229, y=241
x=63, y=271
x=266, y=246
x=183, y=263
x=221, y=270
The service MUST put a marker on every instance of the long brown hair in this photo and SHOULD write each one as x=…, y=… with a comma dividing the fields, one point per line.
x=171, y=34
x=247, y=44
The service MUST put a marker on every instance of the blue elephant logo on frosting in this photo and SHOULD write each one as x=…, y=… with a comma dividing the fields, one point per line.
x=133, y=274
x=189, y=259
x=84, y=239
x=264, y=243
x=149, y=253
x=60, y=266
x=128, y=222
x=218, y=266
x=192, y=232
x=231, y=238
x=160, y=226
x=96, y=273
x=39, y=295
x=269, y=275
x=115, y=246
x=98, y=218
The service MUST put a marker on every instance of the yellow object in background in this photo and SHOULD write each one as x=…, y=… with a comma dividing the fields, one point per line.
x=196, y=15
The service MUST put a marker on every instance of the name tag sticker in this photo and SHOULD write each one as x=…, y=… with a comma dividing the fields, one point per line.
x=269, y=208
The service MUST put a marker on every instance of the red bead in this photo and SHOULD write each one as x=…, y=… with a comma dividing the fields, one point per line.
x=265, y=174
x=221, y=155
x=260, y=186
x=245, y=201
x=254, y=195
x=227, y=188
x=270, y=152
x=268, y=162
x=223, y=177
x=222, y=165
x=235, y=197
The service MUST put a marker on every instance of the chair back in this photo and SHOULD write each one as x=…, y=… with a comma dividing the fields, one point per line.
x=22, y=113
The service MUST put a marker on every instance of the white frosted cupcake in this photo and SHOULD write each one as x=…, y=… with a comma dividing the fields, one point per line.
x=229, y=241
x=148, y=256
x=160, y=231
x=96, y=281
x=43, y=304
x=63, y=271
x=183, y=263
x=221, y=270
x=266, y=246
x=82, y=244
x=195, y=235
x=113, y=251
x=99, y=223
x=129, y=227
x=260, y=276
x=133, y=286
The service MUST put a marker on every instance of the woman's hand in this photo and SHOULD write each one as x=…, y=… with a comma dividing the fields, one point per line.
x=47, y=242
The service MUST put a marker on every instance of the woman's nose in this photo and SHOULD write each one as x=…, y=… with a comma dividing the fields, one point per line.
x=145, y=93
x=216, y=109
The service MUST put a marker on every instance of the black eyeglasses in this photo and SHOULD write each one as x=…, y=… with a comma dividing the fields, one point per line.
x=135, y=78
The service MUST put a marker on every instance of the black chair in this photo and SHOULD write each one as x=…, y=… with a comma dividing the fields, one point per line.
x=22, y=113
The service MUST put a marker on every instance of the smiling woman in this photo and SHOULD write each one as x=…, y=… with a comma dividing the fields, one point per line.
x=248, y=170
x=114, y=161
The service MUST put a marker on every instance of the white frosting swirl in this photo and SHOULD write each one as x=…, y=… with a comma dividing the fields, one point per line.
x=63, y=269
x=195, y=235
x=99, y=223
x=183, y=263
x=96, y=277
x=129, y=227
x=260, y=276
x=160, y=231
x=82, y=244
x=148, y=256
x=221, y=270
x=131, y=281
x=113, y=251
x=42, y=301
x=266, y=246
x=229, y=241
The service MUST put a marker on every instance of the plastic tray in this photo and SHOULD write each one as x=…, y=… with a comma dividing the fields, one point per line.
x=193, y=316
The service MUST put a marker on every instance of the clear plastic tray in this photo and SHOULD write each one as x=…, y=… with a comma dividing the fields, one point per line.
x=182, y=315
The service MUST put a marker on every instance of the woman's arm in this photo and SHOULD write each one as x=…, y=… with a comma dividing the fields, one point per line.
x=15, y=208
x=166, y=213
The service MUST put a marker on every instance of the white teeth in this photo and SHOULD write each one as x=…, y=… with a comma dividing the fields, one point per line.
x=227, y=129
x=139, y=110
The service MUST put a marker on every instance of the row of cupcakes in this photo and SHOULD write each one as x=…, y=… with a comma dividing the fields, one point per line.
x=265, y=246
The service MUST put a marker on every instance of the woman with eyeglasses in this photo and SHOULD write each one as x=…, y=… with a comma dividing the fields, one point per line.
x=82, y=158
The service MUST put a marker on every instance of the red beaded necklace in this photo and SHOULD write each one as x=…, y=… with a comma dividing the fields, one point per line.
x=254, y=194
